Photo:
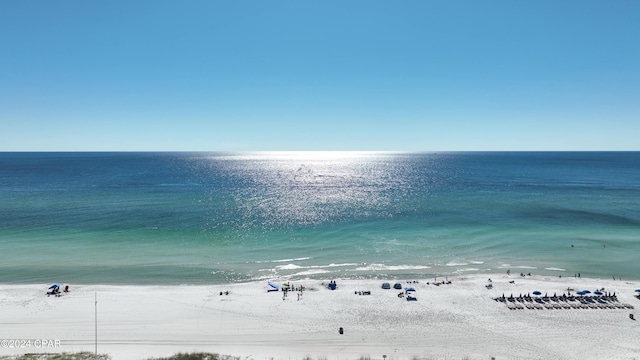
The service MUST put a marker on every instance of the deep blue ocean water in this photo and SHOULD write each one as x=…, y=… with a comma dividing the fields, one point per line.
x=210, y=218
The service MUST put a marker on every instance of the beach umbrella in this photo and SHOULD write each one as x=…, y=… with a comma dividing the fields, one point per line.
x=409, y=289
x=597, y=292
x=581, y=292
x=537, y=293
x=637, y=290
x=586, y=291
x=54, y=286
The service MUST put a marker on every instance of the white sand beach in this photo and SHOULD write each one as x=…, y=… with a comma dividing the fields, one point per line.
x=451, y=321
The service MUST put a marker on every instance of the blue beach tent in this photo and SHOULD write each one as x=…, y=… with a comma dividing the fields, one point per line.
x=274, y=287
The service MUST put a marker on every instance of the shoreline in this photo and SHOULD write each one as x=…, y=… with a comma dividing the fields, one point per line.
x=516, y=270
x=456, y=320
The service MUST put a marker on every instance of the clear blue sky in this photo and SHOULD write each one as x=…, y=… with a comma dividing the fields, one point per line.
x=319, y=75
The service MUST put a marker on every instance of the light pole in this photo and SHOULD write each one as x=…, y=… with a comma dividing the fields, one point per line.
x=96, y=322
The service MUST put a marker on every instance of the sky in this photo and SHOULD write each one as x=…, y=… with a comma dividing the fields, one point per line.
x=374, y=75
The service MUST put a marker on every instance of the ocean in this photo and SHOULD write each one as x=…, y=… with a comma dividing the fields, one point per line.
x=215, y=218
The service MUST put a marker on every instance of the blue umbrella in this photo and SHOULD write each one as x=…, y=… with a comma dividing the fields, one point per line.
x=536, y=292
x=581, y=292
x=409, y=289
x=637, y=290
x=597, y=292
x=586, y=291
x=54, y=286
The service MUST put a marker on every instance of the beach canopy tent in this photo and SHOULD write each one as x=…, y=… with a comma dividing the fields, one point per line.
x=536, y=292
x=386, y=286
x=397, y=286
x=407, y=289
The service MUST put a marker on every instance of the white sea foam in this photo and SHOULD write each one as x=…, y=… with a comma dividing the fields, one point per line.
x=555, y=269
x=283, y=260
x=377, y=267
x=339, y=265
x=311, y=272
x=294, y=266
x=260, y=278
x=456, y=264
x=508, y=266
x=288, y=267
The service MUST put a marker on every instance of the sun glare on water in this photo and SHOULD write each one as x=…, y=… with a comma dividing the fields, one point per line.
x=311, y=187
x=310, y=156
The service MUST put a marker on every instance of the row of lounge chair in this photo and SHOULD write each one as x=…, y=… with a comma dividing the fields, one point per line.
x=563, y=306
x=562, y=302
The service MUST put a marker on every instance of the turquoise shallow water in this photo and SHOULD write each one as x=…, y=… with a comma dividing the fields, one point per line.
x=200, y=218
